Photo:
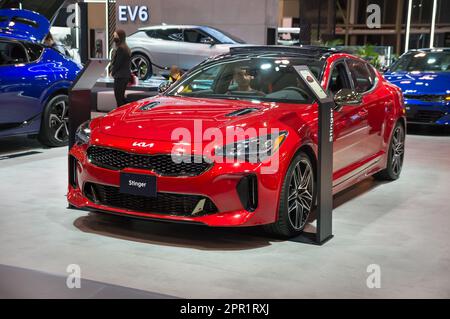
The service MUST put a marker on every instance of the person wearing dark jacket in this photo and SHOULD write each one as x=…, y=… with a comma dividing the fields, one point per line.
x=121, y=66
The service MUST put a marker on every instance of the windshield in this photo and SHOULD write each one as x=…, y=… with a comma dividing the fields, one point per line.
x=261, y=78
x=423, y=62
x=222, y=36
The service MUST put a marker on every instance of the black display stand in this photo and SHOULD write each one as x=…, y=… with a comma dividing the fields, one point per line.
x=325, y=162
x=80, y=102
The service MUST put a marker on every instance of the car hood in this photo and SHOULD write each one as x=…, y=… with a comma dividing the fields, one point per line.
x=23, y=25
x=166, y=114
x=232, y=45
x=421, y=82
x=48, y=8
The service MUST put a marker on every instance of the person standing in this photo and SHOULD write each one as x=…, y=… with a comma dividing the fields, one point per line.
x=120, y=66
x=50, y=42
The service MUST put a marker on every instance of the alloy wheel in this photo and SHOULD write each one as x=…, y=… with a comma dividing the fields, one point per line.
x=58, y=121
x=300, y=196
x=398, y=150
x=139, y=66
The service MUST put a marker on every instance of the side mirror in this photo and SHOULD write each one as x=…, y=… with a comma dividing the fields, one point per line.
x=208, y=40
x=163, y=87
x=347, y=97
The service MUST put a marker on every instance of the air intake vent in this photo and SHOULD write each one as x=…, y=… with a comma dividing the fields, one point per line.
x=149, y=106
x=73, y=180
x=242, y=112
x=163, y=203
x=247, y=189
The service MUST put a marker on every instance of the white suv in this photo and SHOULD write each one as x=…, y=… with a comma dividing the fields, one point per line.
x=183, y=45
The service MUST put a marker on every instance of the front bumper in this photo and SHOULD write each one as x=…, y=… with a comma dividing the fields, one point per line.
x=223, y=184
x=428, y=113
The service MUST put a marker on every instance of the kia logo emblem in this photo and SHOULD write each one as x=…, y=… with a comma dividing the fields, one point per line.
x=142, y=144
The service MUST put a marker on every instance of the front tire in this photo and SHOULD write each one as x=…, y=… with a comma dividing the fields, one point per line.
x=141, y=66
x=55, y=120
x=396, y=155
x=296, y=199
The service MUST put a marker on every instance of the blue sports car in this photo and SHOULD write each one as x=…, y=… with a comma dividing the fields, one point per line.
x=34, y=79
x=424, y=77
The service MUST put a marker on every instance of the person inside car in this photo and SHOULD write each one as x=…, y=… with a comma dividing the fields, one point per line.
x=242, y=78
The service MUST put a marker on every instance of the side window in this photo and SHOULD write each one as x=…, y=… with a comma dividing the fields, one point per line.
x=360, y=75
x=205, y=81
x=166, y=34
x=339, y=79
x=12, y=53
x=372, y=73
x=194, y=36
x=34, y=51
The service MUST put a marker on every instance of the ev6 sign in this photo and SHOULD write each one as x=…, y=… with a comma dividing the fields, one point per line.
x=132, y=13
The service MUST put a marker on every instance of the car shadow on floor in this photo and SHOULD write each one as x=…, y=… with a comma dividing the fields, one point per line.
x=173, y=234
x=347, y=195
x=197, y=236
x=17, y=145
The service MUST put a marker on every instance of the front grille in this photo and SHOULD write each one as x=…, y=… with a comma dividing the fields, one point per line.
x=161, y=164
x=425, y=97
x=164, y=203
x=425, y=116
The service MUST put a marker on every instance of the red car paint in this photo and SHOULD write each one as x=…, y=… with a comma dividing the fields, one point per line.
x=361, y=139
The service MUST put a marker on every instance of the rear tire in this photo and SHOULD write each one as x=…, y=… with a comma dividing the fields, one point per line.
x=396, y=155
x=55, y=121
x=297, y=196
x=141, y=66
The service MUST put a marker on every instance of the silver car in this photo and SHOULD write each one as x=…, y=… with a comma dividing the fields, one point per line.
x=159, y=47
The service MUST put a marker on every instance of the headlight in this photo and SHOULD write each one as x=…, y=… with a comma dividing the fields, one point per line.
x=83, y=133
x=253, y=150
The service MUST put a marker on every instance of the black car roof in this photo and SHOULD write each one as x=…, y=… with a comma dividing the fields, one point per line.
x=304, y=50
x=310, y=52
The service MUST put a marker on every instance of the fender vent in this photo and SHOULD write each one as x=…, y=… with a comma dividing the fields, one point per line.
x=242, y=112
x=149, y=106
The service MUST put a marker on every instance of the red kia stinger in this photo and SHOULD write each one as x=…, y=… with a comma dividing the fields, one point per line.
x=234, y=141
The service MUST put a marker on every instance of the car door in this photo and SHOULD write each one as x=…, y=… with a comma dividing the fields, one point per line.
x=350, y=123
x=21, y=84
x=163, y=44
x=197, y=47
x=372, y=109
